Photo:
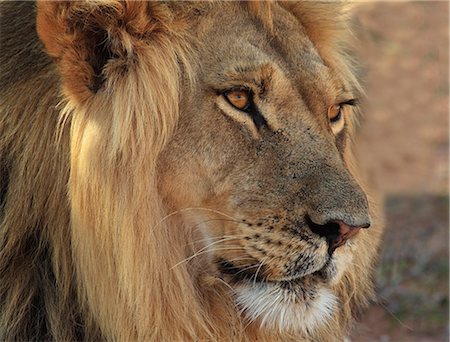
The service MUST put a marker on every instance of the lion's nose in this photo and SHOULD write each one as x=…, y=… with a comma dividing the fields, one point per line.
x=336, y=232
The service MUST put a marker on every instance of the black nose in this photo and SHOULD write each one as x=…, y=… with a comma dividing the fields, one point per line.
x=336, y=232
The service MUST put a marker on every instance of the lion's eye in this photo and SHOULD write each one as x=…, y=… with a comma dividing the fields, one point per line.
x=243, y=100
x=238, y=98
x=335, y=113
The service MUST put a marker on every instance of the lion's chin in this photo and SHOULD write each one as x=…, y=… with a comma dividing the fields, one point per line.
x=283, y=307
x=299, y=305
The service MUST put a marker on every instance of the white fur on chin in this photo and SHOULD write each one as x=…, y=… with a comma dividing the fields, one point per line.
x=280, y=309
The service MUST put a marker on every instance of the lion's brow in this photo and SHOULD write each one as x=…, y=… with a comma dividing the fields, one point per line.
x=259, y=76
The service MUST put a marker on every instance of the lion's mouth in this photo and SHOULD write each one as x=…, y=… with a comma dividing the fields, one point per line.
x=236, y=274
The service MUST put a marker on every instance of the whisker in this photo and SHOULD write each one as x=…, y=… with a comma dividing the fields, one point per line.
x=211, y=220
x=225, y=283
x=240, y=259
x=385, y=307
x=214, y=243
x=245, y=269
x=231, y=248
x=259, y=268
x=218, y=237
x=190, y=209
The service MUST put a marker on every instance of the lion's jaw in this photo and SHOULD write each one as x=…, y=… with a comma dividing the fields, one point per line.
x=298, y=305
x=277, y=308
x=300, y=301
x=292, y=304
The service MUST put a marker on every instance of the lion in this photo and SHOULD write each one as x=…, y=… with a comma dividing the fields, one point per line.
x=181, y=171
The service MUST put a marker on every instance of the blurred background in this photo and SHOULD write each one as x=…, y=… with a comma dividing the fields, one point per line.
x=403, y=145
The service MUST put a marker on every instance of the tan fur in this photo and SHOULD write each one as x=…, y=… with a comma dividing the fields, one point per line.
x=121, y=165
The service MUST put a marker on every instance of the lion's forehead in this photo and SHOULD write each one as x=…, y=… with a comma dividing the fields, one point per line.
x=282, y=55
x=239, y=40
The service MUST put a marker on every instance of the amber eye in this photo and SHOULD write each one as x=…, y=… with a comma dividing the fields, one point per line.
x=335, y=113
x=238, y=98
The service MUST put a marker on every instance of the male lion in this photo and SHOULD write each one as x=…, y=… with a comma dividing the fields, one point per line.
x=179, y=172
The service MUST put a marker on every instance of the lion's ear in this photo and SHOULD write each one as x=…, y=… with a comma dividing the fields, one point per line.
x=85, y=36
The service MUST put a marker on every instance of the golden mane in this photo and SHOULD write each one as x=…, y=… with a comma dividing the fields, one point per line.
x=101, y=254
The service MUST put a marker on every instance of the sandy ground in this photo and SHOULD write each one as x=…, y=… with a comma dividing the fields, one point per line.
x=403, y=145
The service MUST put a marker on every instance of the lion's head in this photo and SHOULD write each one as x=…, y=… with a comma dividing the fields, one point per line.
x=212, y=192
